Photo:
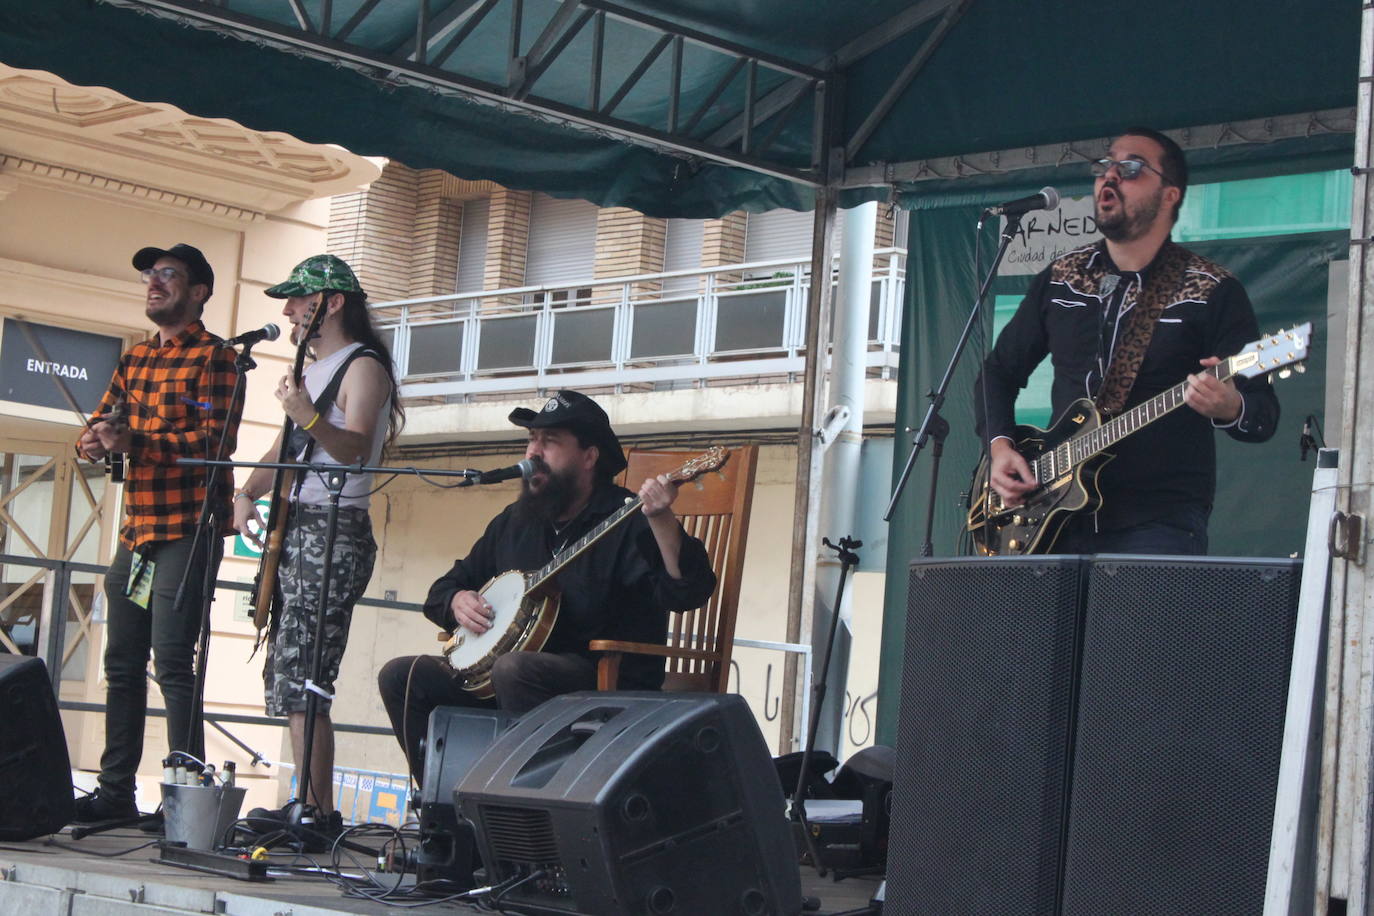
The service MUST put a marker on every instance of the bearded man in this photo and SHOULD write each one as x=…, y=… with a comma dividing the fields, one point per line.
x=177, y=390
x=1092, y=312
x=622, y=588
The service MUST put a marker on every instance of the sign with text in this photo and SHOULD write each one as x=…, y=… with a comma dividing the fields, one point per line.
x=246, y=548
x=82, y=361
x=1048, y=234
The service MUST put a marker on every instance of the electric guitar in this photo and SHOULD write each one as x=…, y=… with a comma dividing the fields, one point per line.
x=525, y=604
x=265, y=592
x=1066, y=459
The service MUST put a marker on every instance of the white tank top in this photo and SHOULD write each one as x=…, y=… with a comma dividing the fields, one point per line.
x=357, y=487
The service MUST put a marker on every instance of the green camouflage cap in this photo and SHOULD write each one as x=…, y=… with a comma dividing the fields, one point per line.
x=323, y=271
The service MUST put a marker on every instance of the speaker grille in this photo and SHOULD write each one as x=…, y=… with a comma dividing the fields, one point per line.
x=1184, y=685
x=520, y=834
x=986, y=708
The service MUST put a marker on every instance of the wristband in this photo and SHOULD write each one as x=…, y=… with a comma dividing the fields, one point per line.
x=313, y=420
x=245, y=494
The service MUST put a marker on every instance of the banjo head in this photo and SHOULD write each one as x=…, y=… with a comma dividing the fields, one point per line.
x=467, y=650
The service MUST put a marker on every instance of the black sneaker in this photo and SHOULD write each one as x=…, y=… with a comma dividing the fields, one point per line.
x=97, y=808
x=259, y=818
x=263, y=815
x=320, y=836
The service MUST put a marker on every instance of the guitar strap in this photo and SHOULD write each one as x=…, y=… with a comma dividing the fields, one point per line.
x=1162, y=284
x=302, y=443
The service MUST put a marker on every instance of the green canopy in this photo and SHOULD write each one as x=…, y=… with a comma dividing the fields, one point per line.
x=643, y=103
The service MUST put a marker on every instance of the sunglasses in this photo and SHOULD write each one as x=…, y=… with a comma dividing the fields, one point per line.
x=1128, y=169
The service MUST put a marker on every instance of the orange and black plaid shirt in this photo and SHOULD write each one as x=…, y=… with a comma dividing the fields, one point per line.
x=177, y=399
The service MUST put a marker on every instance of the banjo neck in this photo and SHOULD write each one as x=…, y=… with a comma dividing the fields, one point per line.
x=710, y=460
x=543, y=574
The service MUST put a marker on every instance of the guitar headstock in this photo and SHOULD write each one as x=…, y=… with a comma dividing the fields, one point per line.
x=713, y=459
x=311, y=325
x=1280, y=352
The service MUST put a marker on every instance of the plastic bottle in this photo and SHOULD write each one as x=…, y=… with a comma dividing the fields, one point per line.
x=228, y=773
x=169, y=773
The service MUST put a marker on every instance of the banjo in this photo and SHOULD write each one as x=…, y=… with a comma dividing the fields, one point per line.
x=525, y=604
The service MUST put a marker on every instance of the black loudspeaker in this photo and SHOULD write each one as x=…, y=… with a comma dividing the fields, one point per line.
x=35, y=771
x=635, y=802
x=980, y=786
x=456, y=739
x=1180, y=726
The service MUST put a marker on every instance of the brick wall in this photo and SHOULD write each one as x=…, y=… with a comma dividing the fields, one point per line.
x=434, y=265
x=373, y=230
x=628, y=243
x=508, y=233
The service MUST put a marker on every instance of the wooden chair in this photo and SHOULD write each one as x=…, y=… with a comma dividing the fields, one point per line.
x=714, y=509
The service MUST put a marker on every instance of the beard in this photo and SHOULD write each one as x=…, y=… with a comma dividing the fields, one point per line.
x=552, y=500
x=1126, y=224
x=172, y=310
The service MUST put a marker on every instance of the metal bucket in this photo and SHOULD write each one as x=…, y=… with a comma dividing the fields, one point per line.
x=199, y=815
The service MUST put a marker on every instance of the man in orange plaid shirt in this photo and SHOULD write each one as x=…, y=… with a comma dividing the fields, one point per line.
x=176, y=389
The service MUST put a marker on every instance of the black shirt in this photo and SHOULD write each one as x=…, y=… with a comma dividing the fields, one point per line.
x=1169, y=464
x=618, y=589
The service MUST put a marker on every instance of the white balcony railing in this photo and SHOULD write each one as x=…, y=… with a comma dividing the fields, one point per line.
x=673, y=329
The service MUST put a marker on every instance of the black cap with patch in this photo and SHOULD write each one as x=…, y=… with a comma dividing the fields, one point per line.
x=575, y=411
x=196, y=266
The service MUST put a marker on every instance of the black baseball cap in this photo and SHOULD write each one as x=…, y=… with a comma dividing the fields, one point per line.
x=575, y=411
x=196, y=266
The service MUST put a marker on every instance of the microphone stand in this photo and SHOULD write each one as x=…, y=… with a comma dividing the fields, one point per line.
x=301, y=812
x=848, y=560
x=935, y=426
x=243, y=363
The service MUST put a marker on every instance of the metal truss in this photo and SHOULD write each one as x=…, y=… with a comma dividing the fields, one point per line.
x=741, y=98
x=1081, y=152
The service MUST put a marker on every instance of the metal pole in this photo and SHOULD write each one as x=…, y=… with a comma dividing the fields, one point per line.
x=843, y=444
x=804, y=511
x=1343, y=848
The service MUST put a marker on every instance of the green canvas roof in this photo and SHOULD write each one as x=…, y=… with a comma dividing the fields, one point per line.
x=641, y=103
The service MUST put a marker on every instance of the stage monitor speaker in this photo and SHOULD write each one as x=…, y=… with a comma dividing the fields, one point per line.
x=35, y=771
x=635, y=802
x=457, y=738
x=980, y=787
x=1180, y=728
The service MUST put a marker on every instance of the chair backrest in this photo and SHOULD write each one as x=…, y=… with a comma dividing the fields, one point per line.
x=715, y=509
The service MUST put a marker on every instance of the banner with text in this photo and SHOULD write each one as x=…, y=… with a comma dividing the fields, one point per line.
x=81, y=361
x=1047, y=234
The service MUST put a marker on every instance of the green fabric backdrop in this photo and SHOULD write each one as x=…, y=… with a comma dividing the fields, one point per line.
x=1263, y=490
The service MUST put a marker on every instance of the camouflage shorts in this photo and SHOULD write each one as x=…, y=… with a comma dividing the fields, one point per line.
x=289, y=651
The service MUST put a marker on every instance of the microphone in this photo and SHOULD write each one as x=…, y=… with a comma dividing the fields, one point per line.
x=248, y=338
x=1046, y=198
x=524, y=468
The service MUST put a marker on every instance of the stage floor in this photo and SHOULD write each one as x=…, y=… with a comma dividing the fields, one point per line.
x=108, y=874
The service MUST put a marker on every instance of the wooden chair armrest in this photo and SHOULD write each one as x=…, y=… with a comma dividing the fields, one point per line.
x=612, y=650
x=649, y=648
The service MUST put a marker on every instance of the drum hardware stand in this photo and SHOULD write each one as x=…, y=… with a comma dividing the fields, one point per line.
x=848, y=560
x=300, y=811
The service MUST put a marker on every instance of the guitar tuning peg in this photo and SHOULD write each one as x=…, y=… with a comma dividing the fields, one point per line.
x=1300, y=368
x=1284, y=373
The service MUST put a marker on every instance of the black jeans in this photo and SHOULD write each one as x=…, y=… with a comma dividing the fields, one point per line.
x=132, y=632
x=522, y=680
x=1182, y=534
